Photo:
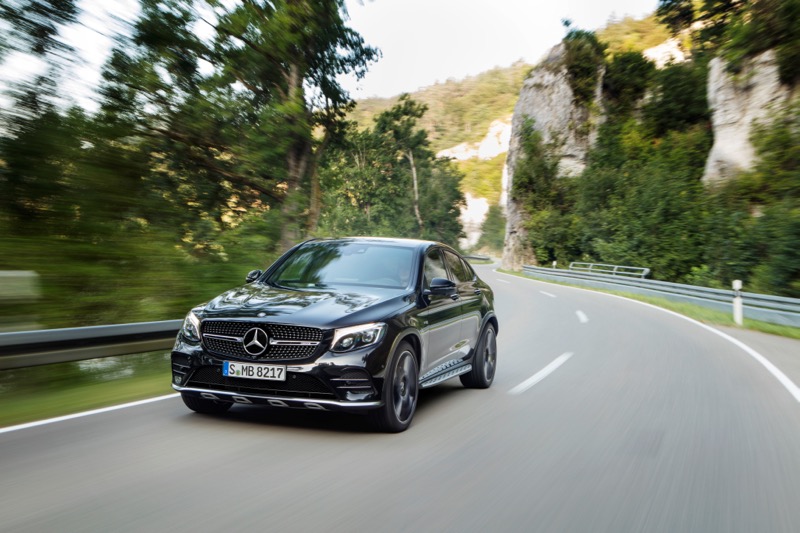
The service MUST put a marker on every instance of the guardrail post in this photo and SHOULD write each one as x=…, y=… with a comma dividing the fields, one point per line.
x=737, y=302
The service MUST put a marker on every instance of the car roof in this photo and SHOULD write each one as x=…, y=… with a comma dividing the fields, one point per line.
x=410, y=243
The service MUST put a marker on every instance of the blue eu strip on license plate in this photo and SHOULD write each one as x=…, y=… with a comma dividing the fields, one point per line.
x=236, y=369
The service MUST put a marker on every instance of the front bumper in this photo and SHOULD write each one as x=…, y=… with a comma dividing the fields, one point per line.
x=278, y=401
x=328, y=383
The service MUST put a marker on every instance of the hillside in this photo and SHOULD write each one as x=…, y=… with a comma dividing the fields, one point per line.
x=458, y=110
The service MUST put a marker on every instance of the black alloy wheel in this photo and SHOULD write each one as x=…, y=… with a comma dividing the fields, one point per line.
x=205, y=406
x=400, y=392
x=484, y=363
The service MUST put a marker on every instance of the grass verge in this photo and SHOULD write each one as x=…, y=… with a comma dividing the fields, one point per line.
x=702, y=314
x=38, y=393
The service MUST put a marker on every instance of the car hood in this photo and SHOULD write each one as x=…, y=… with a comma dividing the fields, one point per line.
x=313, y=307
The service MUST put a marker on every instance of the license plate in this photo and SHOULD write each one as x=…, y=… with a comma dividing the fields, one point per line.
x=253, y=371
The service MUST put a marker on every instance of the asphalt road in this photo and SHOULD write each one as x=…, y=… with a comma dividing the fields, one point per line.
x=605, y=415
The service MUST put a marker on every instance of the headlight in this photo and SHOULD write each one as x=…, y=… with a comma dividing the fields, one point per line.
x=348, y=339
x=191, y=327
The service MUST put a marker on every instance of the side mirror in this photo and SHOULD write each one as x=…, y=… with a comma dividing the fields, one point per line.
x=253, y=275
x=442, y=286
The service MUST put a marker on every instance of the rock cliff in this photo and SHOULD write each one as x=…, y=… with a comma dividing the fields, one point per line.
x=547, y=99
x=737, y=101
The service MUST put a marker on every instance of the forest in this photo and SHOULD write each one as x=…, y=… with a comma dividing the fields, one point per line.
x=208, y=156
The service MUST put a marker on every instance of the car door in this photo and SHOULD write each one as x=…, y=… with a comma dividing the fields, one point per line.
x=470, y=298
x=440, y=319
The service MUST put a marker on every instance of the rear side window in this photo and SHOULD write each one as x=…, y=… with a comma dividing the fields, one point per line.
x=434, y=266
x=457, y=267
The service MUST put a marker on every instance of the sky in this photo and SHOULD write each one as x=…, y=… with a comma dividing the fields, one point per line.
x=429, y=41
x=422, y=41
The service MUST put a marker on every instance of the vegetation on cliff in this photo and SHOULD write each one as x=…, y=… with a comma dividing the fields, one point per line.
x=641, y=201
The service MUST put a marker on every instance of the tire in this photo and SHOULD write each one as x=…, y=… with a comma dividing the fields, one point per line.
x=204, y=406
x=400, y=392
x=484, y=363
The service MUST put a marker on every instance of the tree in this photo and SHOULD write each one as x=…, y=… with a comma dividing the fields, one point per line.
x=400, y=123
x=677, y=15
x=385, y=181
x=251, y=110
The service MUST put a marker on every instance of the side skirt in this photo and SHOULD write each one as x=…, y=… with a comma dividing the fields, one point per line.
x=440, y=375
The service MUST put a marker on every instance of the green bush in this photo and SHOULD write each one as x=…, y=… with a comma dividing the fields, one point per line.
x=584, y=55
x=679, y=98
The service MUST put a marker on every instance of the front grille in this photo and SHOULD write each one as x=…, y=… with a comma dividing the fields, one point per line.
x=235, y=330
x=297, y=385
x=276, y=331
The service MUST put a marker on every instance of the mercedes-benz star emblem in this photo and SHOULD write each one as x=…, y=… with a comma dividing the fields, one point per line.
x=255, y=341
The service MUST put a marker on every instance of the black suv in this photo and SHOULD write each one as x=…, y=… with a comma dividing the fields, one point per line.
x=341, y=324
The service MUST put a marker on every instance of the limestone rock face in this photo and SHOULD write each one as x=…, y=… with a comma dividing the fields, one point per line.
x=493, y=144
x=670, y=51
x=546, y=98
x=737, y=101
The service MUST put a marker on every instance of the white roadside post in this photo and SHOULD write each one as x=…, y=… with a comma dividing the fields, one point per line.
x=737, y=302
x=554, y=264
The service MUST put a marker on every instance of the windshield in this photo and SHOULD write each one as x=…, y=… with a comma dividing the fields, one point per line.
x=326, y=264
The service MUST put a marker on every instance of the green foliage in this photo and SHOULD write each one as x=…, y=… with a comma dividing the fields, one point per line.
x=483, y=178
x=677, y=15
x=544, y=196
x=655, y=214
x=765, y=25
x=493, y=232
x=740, y=29
x=367, y=179
x=679, y=98
x=251, y=125
x=776, y=175
x=633, y=35
x=626, y=79
x=584, y=55
x=536, y=184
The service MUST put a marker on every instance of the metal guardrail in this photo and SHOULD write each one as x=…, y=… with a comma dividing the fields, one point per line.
x=43, y=347
x=614, y=270
x=772, y=309
x=477, y=257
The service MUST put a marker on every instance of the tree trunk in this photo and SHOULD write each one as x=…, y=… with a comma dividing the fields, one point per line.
x=410, y=156
x=296, y=164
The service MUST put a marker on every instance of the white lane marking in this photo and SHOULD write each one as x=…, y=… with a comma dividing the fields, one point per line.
x=503, y=281
x=784, y=380
x=540, y=375
x=582, y=317
x=86, y=413
x=551, y=295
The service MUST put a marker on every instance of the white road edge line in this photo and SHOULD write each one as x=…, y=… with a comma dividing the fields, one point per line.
x=86, y=413
x=540, y=375
x=502, y=280
x=551, y=295
x=784, y=380
x=582, y=317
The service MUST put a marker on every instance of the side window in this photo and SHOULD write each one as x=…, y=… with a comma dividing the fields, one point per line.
x=434, y=266
x=468, y=269
x=456, y=267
